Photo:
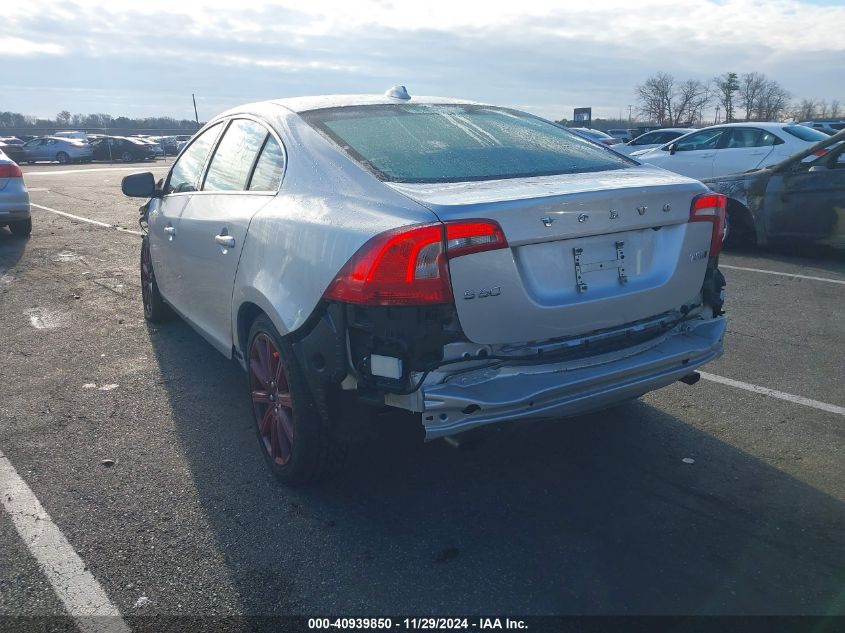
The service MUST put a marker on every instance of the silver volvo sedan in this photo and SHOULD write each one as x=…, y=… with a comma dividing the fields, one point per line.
x=464, y=262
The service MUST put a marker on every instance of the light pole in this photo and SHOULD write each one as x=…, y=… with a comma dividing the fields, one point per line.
x=717, y=115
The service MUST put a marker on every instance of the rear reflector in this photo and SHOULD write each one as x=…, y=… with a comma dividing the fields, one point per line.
x=711, y=207
x=408, y=266
x=10, y=170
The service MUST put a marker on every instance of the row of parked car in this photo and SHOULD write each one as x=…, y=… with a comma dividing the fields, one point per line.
x=78, y=147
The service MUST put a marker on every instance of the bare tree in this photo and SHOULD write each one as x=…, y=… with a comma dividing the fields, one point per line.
x=725, y=86
x=804, y=110
x=752, y=87
x=835, y=107
x=773, y=102
x=691, y=98
x=63, y=117
x=656, y=97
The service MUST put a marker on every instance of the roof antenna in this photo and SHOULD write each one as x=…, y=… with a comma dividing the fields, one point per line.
x=398, y=92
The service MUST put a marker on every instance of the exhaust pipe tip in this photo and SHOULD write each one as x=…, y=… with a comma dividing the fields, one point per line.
x=691, y=379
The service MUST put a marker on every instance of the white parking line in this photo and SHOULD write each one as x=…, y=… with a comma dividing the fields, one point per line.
x=61, y=172
x=775, y=272
x=85, y=600
x=89, y=220
x=773, y=393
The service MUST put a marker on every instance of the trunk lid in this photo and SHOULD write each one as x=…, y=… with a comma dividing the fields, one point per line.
x=588, y=251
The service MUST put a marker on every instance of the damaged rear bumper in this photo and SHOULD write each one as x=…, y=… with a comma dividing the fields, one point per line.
x=463, y=400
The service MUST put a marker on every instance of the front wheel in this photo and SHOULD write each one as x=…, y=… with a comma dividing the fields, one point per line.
x=126, y=157
x=297, y=438
x=155, y=309
x=63, y=158
x=21, y=228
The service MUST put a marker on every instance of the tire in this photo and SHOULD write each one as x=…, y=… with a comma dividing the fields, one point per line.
x=126, y=157
x=21, y=228
x=297, y=437
x=155, y=309
x=63, y=158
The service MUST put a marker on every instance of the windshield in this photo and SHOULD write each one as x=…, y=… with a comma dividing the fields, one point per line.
x=455, y=143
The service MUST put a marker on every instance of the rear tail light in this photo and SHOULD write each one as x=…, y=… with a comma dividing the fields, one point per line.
x=820, y=152
x=408, y=266
x=10, y=170
x=711, y=207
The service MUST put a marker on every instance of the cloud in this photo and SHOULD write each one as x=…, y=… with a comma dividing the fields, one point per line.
x=138, y=57
x=16, y=46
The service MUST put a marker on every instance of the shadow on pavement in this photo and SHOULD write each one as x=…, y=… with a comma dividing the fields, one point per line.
x=595, y=515
x=797, y=254
x=12, y=248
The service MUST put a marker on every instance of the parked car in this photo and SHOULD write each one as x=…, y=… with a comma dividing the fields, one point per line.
x=793, y=200
x=652, y=139
x=12, y=147
x=464, y=262
x=828, y=127
x=14, y=198
x=594, y=135
x=154, y=147
x=62, y=150
x=731, y=148
x=82, y=136
x=168, y=144
x=120, y=148
x=623, y=134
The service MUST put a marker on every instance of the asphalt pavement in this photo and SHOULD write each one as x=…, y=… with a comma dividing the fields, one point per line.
x=708, y=499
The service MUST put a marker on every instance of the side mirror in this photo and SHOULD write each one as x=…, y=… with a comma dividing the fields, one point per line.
x=139, y=185
x=673, y=147
x=817, y=168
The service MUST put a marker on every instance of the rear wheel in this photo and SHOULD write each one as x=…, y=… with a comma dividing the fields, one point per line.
x=297, y=438
x=155, y=309
x=63, y=158
x=21, y=228
x=126, y=157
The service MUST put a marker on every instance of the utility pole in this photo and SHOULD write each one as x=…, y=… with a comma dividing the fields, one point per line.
x=630, y=109
x=196, y=116
x=717, y=115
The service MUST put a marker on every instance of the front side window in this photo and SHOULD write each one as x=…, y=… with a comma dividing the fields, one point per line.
x=235, y=156
x=267, y=175
x=187, y=171
x=649, y=138
x=454, y=143
x=706, y=139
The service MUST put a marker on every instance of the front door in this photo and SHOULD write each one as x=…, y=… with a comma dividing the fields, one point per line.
x=165, y=212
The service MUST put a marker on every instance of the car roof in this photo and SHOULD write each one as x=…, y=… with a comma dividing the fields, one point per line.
x=319, y=102
x=765, y=125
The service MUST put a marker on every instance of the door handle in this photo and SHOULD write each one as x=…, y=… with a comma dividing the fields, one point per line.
x=170, y=230
x=225, y=240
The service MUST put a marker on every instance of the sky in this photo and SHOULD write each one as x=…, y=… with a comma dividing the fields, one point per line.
x=146, y=58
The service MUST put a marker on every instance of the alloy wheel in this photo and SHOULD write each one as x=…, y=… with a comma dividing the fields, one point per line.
x=271, y=399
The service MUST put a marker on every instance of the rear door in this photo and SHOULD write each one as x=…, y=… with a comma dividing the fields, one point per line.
x=741, y=149
x=243, y=175
x=182, y=182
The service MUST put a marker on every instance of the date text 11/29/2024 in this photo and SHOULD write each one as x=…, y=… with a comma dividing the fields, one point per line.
x=481, y=624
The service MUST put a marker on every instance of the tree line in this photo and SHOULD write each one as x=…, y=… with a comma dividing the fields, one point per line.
x=747, y=97
x=99, y=121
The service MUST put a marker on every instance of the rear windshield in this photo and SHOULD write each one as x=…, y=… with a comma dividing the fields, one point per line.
x=456, y=143
x=805, y=133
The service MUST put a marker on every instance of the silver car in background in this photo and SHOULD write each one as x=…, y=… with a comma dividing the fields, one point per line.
x=14, y=198
x=466, y=263
x=61, y=150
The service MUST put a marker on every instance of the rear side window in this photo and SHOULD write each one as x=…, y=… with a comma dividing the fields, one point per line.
x=186, y=172
x=455, y=143
x=739, y=138
x=235, y=156
x=805, y=133
x=269, y=168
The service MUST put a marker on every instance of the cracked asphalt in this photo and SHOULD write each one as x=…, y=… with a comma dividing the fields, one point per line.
x=593, y=515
